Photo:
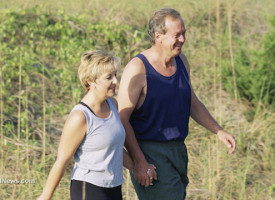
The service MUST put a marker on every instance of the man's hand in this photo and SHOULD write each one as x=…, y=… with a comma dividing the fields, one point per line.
x=145, y=173
x=228, y=140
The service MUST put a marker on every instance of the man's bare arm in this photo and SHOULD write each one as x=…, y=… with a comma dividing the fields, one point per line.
x=202, y=116
x=131, y=85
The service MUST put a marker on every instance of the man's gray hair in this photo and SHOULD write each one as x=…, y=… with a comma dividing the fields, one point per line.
x=157, y=21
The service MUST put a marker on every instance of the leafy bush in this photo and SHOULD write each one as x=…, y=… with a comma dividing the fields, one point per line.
x=48, y=47
x=255, y=70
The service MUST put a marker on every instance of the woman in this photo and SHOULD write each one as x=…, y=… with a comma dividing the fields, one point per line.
x=94, y=134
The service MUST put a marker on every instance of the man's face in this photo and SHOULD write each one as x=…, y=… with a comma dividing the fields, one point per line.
x=174, y=37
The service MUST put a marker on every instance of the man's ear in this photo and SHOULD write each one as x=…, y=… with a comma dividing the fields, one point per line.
x=158, y=37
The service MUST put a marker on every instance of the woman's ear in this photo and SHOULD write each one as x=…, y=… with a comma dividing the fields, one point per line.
x=91, y=84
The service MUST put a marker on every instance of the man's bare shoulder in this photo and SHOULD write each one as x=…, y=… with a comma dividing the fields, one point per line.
x=132, y=82
x=134, y=73
x=135, y=66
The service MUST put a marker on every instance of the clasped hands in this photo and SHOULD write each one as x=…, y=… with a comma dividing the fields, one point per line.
x=145, y=174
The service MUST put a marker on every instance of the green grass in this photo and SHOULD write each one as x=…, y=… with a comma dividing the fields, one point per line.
x=46, y=38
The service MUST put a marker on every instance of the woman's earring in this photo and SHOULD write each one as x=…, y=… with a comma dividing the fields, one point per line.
x=91, y=84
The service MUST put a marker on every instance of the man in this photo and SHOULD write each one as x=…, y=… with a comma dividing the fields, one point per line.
x=155, y=101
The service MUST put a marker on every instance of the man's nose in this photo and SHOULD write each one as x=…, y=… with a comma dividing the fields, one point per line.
x=182, y=38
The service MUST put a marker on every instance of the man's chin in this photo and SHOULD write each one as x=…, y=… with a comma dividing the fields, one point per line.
x=177, y=52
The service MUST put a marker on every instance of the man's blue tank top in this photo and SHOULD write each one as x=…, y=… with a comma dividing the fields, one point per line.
x=164, y=114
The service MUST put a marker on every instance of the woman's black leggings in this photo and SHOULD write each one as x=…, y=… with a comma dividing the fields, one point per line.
x=80, y=190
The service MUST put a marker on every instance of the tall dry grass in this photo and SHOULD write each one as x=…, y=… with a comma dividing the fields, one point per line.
x=1, y=118
x=247, y=174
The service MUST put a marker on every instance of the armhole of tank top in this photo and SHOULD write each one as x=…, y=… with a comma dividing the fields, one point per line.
x=178, y=59
x=85, y=114
x=145, y=62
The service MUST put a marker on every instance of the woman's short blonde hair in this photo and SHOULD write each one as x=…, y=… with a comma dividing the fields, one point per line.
x=95, y=63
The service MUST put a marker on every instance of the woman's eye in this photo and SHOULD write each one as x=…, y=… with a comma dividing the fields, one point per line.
x=109, y=77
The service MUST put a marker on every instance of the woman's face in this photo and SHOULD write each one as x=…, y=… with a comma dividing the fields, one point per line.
x=106, y=83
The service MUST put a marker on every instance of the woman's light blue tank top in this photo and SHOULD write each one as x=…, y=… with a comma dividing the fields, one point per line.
x=99, y=158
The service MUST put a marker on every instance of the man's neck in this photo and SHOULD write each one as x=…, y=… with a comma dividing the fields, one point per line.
x=161, y=57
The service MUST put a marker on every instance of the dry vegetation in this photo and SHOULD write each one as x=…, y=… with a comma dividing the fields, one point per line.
x=39, y=87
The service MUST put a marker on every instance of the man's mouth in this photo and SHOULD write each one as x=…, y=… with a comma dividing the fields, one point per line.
x=113, y=88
